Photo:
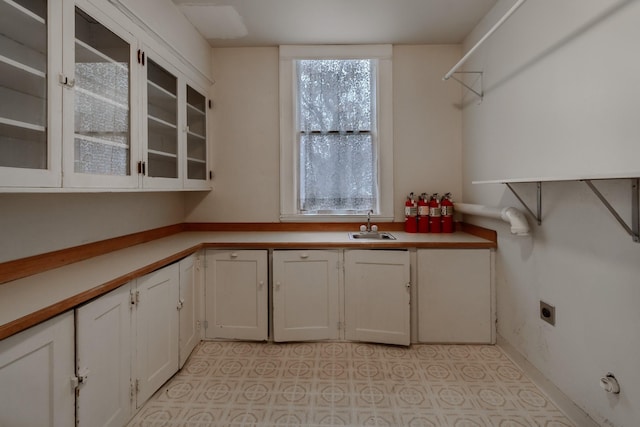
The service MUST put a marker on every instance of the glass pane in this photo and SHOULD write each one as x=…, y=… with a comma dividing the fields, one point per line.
x=23, y=84
x=197, y=170
x=97, y=157
x=162, y=110
x=337, y=173
x=163, y=166
x=335, y=95
x=196, y=115
x=161, y=93
x=196, y=137
x=336, y=119
x=102, y=116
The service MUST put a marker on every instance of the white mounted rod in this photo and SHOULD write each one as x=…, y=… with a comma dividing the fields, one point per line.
x=486, y=36
x=513, y=216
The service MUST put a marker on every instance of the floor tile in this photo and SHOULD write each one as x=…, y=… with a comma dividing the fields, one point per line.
x=349, y=384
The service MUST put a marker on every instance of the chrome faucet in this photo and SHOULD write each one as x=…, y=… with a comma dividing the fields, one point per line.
x=369, y=220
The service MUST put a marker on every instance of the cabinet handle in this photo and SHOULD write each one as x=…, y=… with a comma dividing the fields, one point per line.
x=66, y=81
x=304, y=255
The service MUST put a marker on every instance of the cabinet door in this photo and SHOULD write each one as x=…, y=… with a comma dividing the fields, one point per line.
x=454, y=296
x=306, y=291
x=189, y=334
x=36, y=367
x=30, y=117
x=196, y=147
x=100, y=149
x=156, y=341
x=103, y=357
x=236, y=295
x=164, y=139
x=377, y=294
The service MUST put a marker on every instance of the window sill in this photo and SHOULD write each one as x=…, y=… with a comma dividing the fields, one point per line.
x=333, y=218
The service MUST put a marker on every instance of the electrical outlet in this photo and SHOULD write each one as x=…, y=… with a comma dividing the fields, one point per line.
x=548, y=313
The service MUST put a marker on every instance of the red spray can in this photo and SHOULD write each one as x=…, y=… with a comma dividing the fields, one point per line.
x=434, y=214
x=446, y=207
x=410, y=215
x=423, y=214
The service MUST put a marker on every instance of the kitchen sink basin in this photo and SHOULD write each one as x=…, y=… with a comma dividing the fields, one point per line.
x=371, y=235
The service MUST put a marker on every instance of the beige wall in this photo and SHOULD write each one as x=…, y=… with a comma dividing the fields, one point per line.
x=245, y=124
x=32, y=224
x=561, y=86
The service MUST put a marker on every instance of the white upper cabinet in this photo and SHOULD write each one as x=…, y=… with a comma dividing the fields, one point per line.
x=162, y=160
x=197, y=159
x=85, y=102
x=99, y=137
x=30, y=120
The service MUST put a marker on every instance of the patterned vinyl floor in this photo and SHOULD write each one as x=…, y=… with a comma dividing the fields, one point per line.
x=348, y=384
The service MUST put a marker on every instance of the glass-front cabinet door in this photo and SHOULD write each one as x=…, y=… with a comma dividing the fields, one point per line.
x=197, y=170
x=162, y=168
x=29, y=120
x=100, y=152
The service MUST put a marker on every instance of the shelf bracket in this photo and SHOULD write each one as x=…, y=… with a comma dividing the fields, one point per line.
x=479, y=73
x=538, y=214
x=634, y=230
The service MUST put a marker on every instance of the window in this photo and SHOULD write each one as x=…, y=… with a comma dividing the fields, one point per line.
x=336, y=145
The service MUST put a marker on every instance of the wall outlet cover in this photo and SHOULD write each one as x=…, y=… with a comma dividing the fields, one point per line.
x=548, y=313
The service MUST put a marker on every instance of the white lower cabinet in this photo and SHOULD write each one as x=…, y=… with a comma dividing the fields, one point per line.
x=377, y=296
x=103, y=360
x=36, y=371
x=157, y=319
x=236, y=294
x=190, y=305
x=306, y=295
x=455, y=296
x=132, y=340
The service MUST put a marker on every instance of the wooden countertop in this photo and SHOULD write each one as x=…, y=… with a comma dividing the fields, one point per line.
x=27, y=301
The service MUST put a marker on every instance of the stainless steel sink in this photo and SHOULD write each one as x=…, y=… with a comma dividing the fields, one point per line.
x=371, y=235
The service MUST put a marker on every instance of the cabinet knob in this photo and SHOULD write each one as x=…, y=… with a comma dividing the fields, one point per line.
x=261, y=283
x=408, y=285
x=277, y=286
x=304, y=255
x=234, y=255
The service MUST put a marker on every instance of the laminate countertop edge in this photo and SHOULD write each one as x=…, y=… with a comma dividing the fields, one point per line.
x=30, y=300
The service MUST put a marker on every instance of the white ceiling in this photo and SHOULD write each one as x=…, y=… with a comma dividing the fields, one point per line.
x=276, y=22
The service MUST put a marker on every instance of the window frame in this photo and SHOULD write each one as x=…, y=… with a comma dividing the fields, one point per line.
x=289, y=153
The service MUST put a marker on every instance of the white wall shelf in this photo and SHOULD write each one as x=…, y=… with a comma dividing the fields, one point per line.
x=633, y=230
